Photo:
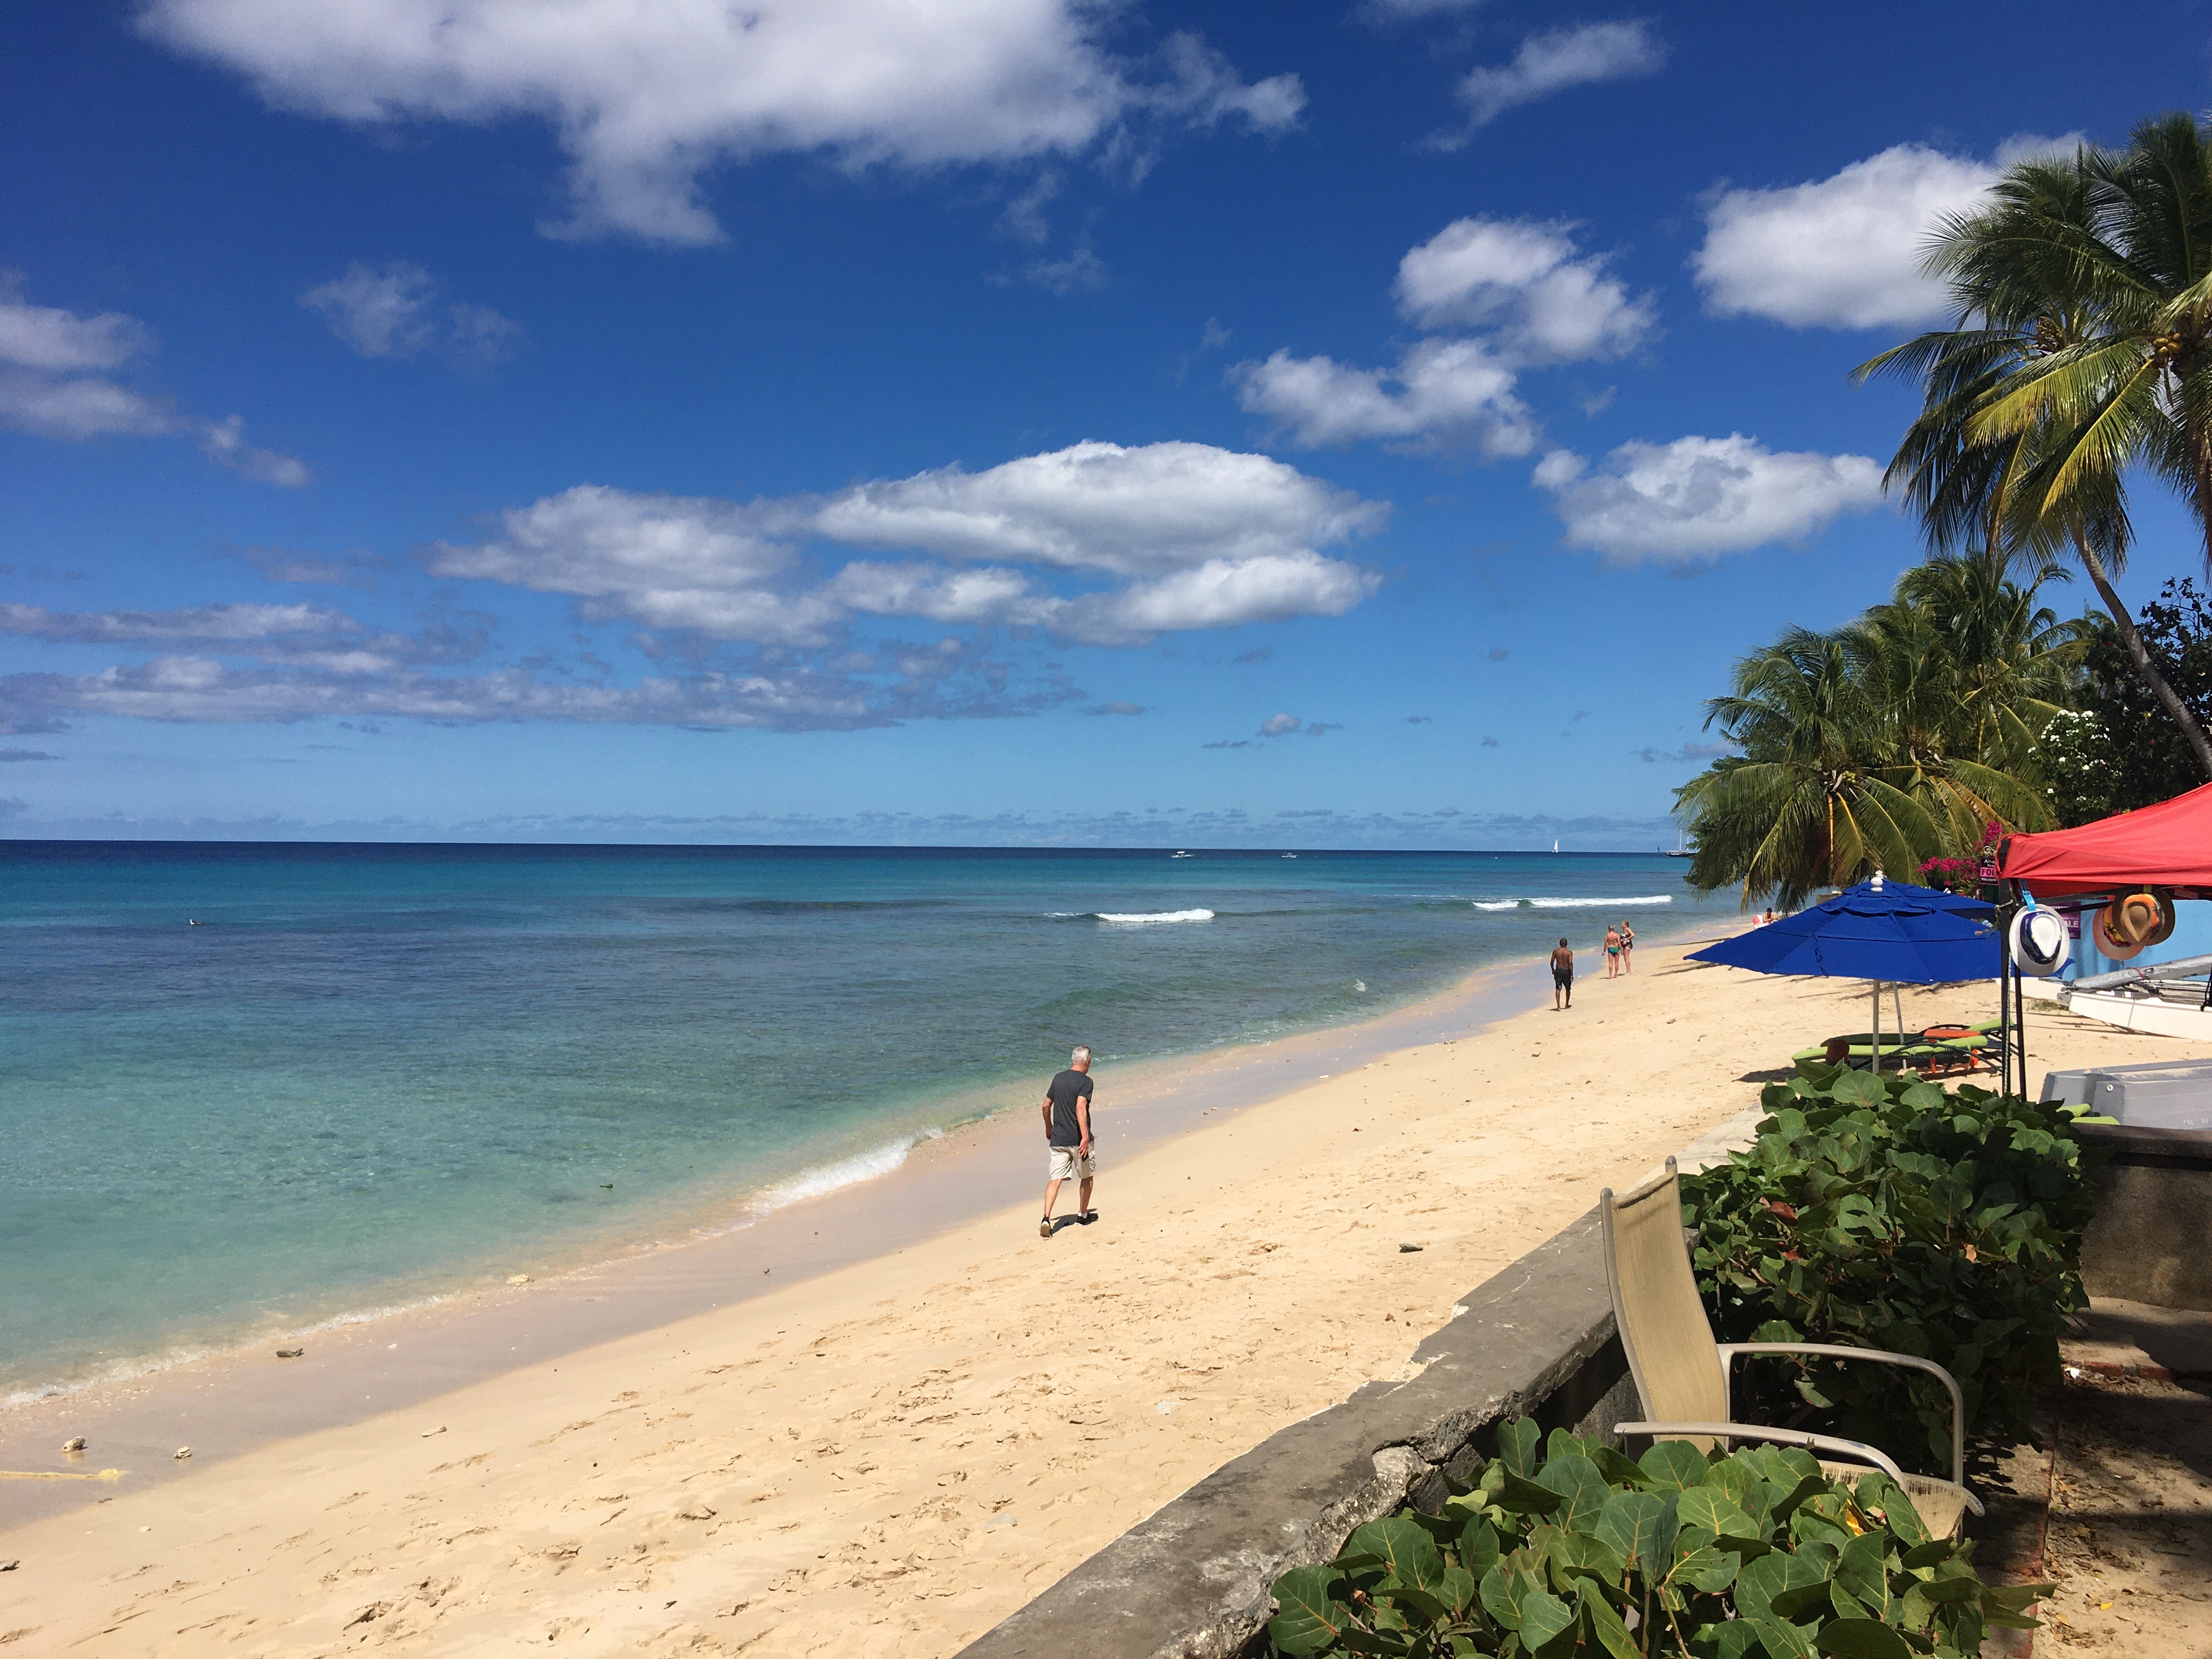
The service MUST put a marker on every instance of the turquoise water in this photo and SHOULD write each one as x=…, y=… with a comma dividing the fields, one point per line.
x=371, y=1072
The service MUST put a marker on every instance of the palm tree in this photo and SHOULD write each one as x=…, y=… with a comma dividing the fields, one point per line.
x=2091, y=281
x=1897, y=738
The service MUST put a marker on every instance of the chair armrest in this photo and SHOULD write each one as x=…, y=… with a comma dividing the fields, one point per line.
x=1828, y=1350
x=1797, y=1438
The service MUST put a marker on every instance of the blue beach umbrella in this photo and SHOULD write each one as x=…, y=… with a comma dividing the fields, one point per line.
x=1887, y=931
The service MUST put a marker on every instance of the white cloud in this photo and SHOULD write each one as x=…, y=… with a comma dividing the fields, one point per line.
x=644, y=99
x=1522, y=279
x=1843, y=252
x=394, y=311
x=49, y=387
x=1279, y=726
x=1452, y=394
x=302, y=635
x=1521, y=283
x=1584, y=55
x=1200, y=537
x=1147, y=510
x=1697, y=498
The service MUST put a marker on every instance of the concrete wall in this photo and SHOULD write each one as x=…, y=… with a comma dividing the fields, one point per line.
x=2151, y=1238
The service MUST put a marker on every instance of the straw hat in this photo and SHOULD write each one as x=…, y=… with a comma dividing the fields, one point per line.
x=2114, y=933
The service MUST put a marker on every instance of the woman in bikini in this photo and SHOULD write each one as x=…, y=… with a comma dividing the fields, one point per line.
x=1612, y=953
x=1627, y=947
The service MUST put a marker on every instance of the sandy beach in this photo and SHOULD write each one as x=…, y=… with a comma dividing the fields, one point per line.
x=893, y=1454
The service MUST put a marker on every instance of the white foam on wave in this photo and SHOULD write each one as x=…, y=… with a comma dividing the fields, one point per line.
x=1147, y=919
x=845, y=1172
x=1571, y=903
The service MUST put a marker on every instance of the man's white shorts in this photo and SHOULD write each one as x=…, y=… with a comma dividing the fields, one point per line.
x=1065, y=1165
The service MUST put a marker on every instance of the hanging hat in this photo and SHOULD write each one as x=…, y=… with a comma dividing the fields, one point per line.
x=2135, y=917
x=2040, y=944
x=2167, y=917
x=2110, y=940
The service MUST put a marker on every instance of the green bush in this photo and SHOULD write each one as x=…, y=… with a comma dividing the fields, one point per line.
x=1567, y=1548
x=1886, y=1212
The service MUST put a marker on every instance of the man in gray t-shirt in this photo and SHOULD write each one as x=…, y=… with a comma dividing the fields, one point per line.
x=1067, y=1138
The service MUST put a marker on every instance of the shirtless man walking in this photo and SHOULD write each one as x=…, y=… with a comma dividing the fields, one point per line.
x=1067, y=1138
x=1562, y=978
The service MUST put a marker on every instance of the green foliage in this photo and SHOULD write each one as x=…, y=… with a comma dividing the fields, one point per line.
x=1565, y=1549
x=1886, y=1212
x=1898, y=737
x=2138, y=756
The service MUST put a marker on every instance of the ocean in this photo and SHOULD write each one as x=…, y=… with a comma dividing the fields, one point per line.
x=247, y=1088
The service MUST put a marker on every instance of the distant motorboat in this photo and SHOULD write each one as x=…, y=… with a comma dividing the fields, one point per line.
x=1290, y=855
x=1178, y=854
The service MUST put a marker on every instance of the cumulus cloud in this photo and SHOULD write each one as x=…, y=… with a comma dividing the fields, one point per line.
x=644, y=99
x=394, y=311
x=1279, y=726
x=1449, y=394
x=1192, y=537
x=51, y=386
x=1697, y=498
x=1524, y=280
x=1532, y=300
x=1584, y=55
x=1843, y=252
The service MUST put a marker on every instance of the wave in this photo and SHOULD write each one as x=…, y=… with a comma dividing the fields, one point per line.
x=1572, y=904
x=1150, y=918
x=845, y=1172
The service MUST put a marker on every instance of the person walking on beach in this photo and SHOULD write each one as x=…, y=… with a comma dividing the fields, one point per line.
x=1068, y=1148
x=1562, y=978
x=1627, y=947
x=1613, y=953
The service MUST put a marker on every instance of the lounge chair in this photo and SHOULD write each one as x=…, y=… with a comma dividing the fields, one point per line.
x=1683, y=1376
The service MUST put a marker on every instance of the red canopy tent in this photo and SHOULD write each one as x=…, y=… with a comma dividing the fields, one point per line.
x=2168, y=845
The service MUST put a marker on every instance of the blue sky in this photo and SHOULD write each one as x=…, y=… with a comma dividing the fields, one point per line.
x=978, y=421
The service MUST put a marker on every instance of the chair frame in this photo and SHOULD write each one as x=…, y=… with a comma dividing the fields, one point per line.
x=1726, y=1354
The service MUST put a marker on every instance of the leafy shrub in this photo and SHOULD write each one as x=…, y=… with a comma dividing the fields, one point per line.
x=1568, y=1548
x=1886, y=1212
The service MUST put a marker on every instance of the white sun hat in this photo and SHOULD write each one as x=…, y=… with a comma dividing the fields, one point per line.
x=2039, y=942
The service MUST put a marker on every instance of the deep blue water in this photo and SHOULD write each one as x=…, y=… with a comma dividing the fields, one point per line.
x=370, y=1070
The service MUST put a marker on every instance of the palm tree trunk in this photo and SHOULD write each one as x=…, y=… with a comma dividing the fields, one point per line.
x=2140, y=654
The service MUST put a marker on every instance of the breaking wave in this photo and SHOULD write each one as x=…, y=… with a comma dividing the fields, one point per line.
x=1571, y=903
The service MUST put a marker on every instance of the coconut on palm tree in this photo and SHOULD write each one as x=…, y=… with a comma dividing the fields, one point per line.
x=2083, y=359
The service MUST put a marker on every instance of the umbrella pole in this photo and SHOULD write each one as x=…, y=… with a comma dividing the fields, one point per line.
x=1877, y=1028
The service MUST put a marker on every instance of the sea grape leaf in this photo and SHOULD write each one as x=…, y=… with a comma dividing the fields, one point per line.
x=1846, y=1604
x=1604, y=1624
x=1479, y=1548
x=1735, y=1476
x=1618, y=1469
x=1576, y=1479
x=1759, y=1583
x=1640, y=1526
x=1560, y=1444
x=1933, y=1554
x=1405, y=1548
x=1859, y=1570
x=1811, y=1485
x=1731, y=1639
x=1524, y=1496
x=1860, y=1638
x=1715, y=1511
x=1961, y=1587
x=1543, y=1616
x=1710, y=1570
x=1505, y=1588
x=1432, y=1608
x=1674, y=1464
x=1516, y=1445
x=1798, y=1598
x=1783, y=1640
x=1579, y=1553
x=1310, y=1617
x=1457, y=1590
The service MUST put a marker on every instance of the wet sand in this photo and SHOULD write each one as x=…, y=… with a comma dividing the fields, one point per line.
x=891, y=1453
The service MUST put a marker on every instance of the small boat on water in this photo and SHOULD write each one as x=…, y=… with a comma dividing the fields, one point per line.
x=1290, y=855
x=1179, y=854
